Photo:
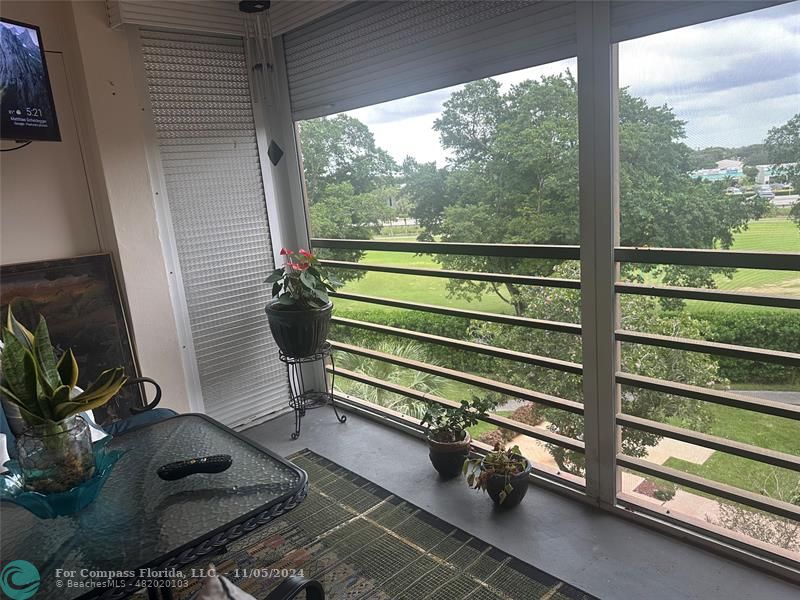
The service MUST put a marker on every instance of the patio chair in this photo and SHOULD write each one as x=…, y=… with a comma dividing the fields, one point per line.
x=11, y=424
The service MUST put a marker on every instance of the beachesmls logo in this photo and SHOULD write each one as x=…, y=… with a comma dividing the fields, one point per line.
x=19, y=580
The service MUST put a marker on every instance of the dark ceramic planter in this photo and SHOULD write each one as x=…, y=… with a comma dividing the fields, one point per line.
x=448, y=457
x=519, y=482
x=299, y=332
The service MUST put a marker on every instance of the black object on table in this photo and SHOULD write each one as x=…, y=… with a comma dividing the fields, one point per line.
x=302, y=400
x=139, y=521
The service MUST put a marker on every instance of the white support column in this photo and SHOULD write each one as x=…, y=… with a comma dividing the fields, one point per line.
x=284, y=186
x=599, y=229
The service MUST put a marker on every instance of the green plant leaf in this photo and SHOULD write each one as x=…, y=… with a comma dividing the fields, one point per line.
x=96, y=395
x=286, y=299
x=19, y=331
x=68, y=369
x=274, y=276
x=31, y=418
x=45, y=357
x=19, y=370
x=502, y=497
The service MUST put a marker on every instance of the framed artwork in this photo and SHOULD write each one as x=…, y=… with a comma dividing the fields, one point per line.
x=80, y=299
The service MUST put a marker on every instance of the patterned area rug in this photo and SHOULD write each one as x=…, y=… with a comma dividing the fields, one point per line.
x=360, y=541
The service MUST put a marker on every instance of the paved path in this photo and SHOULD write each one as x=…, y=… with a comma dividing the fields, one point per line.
x=787, y=397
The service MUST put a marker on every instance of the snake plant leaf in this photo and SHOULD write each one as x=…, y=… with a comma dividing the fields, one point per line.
x=19, y=331
x=31, y=418
x=46, y=358
x=19, y=370
x=100, y=392
x=68, y=369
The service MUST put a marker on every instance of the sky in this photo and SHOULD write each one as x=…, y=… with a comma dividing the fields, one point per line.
x=731, y=80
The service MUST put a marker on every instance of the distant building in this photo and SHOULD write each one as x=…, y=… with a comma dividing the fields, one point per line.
x=726, y=169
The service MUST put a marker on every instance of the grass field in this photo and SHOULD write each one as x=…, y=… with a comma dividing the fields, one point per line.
x=766, y=431
x=427, y=290
x=766, y=235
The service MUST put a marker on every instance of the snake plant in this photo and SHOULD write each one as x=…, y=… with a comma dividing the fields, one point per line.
x=42, y=387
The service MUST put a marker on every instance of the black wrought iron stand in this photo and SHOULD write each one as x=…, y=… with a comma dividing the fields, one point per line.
x=301, y=400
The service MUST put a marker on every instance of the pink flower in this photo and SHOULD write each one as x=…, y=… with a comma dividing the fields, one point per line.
x=306, y=253
x=286, y=252
x=301, y=266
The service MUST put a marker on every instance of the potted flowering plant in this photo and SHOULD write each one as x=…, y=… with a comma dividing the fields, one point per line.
x=299, y=313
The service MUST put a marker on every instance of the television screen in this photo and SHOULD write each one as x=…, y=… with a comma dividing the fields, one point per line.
x=27, y=111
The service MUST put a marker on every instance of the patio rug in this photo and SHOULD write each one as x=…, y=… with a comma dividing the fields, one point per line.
x=360, y=541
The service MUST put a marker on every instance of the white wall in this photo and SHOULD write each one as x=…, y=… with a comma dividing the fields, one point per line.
x=92, y=191
x=45, y=205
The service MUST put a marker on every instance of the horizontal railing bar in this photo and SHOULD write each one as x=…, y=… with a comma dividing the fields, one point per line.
x=708, y=295
x=770, y=505
x=516, y=426
x=779, y=261
x=759, y=405
x=523, y=357
x=467, y=314
x=789, y=359
x=551, y=251
x=500, y=278
x=772, y=457
x=468, y=378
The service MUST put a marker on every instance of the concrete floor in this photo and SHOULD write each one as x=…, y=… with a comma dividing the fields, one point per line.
x=603, y=554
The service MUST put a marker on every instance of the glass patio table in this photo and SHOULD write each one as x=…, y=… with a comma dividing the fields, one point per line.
x=140, y=526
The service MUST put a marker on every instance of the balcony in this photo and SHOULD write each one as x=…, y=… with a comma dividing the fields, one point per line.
x=186, y=165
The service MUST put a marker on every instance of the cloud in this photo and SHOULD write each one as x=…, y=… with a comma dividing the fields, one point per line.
x=731, y=80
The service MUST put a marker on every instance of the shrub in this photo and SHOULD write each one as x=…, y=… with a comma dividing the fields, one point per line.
x=772, y=329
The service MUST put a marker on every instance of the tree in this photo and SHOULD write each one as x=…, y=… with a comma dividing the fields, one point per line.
x=341, y=213
x=638, y=313
x=342, y=149
x=347, y=180
x=513, y=178
x=783, y=147
x=783, y=143
x=779, y=531
x=416, y=380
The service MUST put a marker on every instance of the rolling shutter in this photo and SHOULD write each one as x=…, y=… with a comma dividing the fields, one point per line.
x=634, y=18
x=199, y=93
x=370, y=52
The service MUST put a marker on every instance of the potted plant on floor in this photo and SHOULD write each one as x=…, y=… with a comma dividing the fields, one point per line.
x=503, y=474
x=448, y=438
x=55, y=449
x=299, y=313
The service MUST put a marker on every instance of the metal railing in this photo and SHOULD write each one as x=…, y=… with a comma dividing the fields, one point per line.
x=706, y=258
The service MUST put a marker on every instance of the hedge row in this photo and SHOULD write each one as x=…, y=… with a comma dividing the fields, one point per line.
x=760, y=328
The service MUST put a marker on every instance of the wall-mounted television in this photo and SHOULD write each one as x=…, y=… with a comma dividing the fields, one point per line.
x=27, y=111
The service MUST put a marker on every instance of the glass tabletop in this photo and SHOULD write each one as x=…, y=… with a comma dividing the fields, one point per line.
x=139, y=519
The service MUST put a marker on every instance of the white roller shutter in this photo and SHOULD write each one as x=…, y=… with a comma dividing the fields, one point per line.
x=370, y=52
x=199, y=93
x=635, y=18
x=214, y=16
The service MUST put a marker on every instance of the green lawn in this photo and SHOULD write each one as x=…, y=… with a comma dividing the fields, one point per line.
x=411, y=288
x=766, y=235
x=766, y=431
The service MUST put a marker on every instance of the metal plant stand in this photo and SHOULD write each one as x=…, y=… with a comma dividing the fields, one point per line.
x=301, y=400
